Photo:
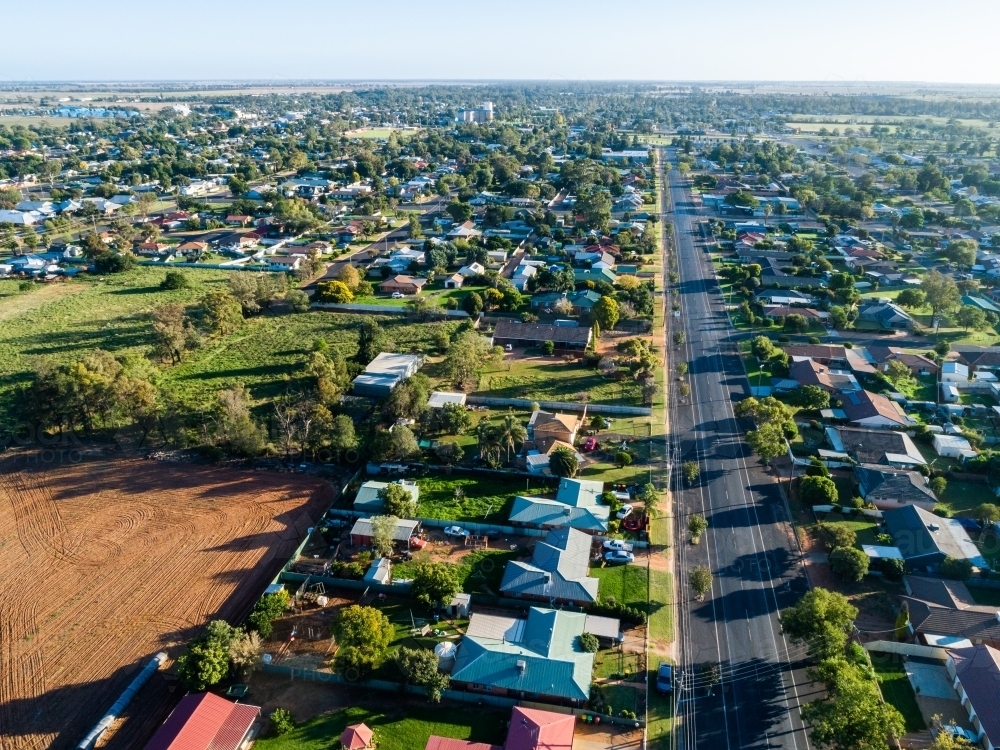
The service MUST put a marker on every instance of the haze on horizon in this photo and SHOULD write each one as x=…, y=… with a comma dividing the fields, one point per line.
x=713, y=40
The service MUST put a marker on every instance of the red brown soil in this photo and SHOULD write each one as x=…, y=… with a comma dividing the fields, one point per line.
x=104, y=563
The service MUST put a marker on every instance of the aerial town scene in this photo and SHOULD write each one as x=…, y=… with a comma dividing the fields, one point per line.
x=517, y=395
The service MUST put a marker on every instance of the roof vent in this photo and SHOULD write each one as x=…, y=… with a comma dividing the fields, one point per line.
x=522, y=666
x=933, y=526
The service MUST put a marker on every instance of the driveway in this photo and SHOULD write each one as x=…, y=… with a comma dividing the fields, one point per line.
x=606, y=737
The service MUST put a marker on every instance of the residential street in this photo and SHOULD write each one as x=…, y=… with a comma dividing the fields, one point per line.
x=749, y=546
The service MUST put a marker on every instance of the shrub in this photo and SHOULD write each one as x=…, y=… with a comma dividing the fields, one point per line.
x=589, y=643
x=960, y=570
x=818, y=491
x=849, y=563
x=938, y=486
x=548, y=347
x=174, y=280
x=841, y=535
x=892, y=568
x=619, y=610
x=623, y=459
x=281, y=721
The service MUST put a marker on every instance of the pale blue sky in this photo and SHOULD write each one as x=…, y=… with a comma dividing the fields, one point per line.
x=850, y=40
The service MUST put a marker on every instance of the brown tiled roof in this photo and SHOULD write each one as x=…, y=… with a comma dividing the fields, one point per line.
x=538, y=332
x=865, y=404
x=978, y=668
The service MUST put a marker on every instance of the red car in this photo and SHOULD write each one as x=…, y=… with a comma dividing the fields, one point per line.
x=590, y=444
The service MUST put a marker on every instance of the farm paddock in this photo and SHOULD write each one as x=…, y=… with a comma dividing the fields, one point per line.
x=103, y=563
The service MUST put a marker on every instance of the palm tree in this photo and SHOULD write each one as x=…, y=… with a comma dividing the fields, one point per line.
x=512, y=432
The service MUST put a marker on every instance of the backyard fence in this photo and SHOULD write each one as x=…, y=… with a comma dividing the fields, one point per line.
x=402, y=588
x=346, y=307
x=637, y=411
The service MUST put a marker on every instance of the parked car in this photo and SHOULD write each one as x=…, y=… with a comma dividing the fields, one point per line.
x=508, y=348
x=665, y=679
x=958, y=731
x=590, y=444
x=618, y=544
x=456, y=531
x=397, y=295
x=618, y=556
x=624, y=511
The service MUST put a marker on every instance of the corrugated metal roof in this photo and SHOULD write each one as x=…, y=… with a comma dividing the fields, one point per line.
x=205, y=722
x=447, y=743
x=543, y=512
x=558, y=569
x=531, y=729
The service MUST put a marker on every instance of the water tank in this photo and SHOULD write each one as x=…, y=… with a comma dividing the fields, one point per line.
x=445, y=652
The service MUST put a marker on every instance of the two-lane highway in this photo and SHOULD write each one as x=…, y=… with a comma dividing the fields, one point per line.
x=742, y=682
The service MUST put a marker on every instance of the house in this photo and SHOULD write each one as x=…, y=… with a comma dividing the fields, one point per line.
x=942, y=611
x=594, y=274
x=472, y=269
x=779, y=312
x=204, y=721
x=857, y=360
x=532, y=729
x=557, y=572
x=454, y=281
x=356, y=737
x=287, y=263
x=976, y=675
x=522, y=273
x=953, y=446
x=449, y=743
x=238, y=220
x=983, y=304
x=537, y=659
x=978, y=357
x=440, y=398
x=361, y=532
x=576, y=504
x=872, y=410
x=535, y=334
x=886, y=487
x=883, y=447
x=384, y=373
x=925, y=539
x=545, y=427
x=402, y=284
x=464, y=231
x=886, y=314
x=809, y=372
x=918, y=363
x=581, y=302
x=368, y=500
x=954, y=372
x=192, y=246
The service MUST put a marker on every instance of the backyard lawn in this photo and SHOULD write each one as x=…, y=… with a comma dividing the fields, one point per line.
x=962, y=497
x=896, y=689
x=626, y=584
x=482, y=499
x=863, y=526
x=403, y=727
x=475, y=571
x=554, y=379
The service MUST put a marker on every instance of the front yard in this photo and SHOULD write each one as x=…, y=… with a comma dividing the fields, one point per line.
x=896, y=689
x=626, y=584
x=556, y=379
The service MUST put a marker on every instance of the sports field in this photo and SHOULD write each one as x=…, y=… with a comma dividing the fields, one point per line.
x=105, y=562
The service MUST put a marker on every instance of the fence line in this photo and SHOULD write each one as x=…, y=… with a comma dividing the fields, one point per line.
x=641, y=411
x=348, y=307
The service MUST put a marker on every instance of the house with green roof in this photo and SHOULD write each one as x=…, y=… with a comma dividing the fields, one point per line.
x=540, y=660
x=576, y=505
x=594, y=274
x=582, y=301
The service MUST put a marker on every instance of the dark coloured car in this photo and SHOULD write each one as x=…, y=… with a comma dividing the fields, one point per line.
x=665, y=679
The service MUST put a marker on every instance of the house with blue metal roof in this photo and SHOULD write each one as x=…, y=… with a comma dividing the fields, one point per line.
x=576, y=504
x=540, y=661
x=557, y=572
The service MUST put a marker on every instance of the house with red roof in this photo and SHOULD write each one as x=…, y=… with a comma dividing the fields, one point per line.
x=530, y=729
x=207, y=722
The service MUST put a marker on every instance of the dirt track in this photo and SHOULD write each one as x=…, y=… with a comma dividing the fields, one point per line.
x=102, y=564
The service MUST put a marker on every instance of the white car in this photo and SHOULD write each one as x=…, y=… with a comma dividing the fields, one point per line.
x=398, y=295
x=617, y=544
x=624, y=511
x=456, y=531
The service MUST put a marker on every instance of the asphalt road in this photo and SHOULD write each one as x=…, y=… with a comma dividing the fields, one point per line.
x=748, y=547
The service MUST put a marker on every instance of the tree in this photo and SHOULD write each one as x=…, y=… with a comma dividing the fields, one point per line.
x=350, y=277
x=364, y=628
x=762, y=348
x=987, y=514
x=460, y=212
x=697, y=525
x=958, y=569
x=768, y=442
x=810, y=397
x=173, y=333
x=679, y=338
x=372, y=341
x=205, y=662
x=174, y=280
x=468, y=355
x=548, y=348
x=700, y=578
x=450, y=419
x=897, y=372
x=796, y=323
x=383, y=532
x=962, y=252
x=267, y=609
x=938, y=486
x=397, y=445
x=563, y=462
x=235, y=425
x=843, y=536
x=821, y=620
x=849, y=563
x=606, y=312
x=419, y=666
x=691, y=471
x=298, y=300
x=852, y=715
x=472, y=303
x=623, y=459
x=221, y=312
x=589, y=643
x=245, y=651
x=911, y=298
x=449, y=452
x=818, y=491
x=282, y=721
x=434, y=583
x=972, y=317
x=838, y=317
x=333, y=291
x=941, y=292
x=397, y=501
